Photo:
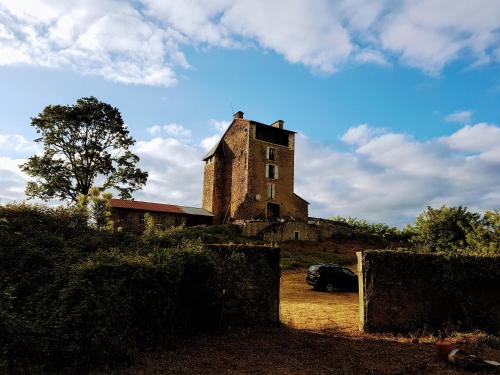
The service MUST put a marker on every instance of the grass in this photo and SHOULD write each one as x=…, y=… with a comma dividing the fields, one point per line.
x=302, y=254
x=331, y=310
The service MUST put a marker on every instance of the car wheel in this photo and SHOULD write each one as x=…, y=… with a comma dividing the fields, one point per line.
x=329, y=287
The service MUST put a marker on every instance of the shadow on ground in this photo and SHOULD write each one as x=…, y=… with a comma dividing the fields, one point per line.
x=319, y=335
x=292, y=351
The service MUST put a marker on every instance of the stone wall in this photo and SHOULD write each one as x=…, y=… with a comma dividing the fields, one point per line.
x=273, y=231
x=286, y=231
x=404, y=292
x=257, y=297
x=209, y=185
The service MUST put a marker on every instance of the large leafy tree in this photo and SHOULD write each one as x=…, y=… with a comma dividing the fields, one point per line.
x=445, y=228
x=84, y=145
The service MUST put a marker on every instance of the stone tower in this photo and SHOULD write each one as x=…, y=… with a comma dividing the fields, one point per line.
x=249, y=174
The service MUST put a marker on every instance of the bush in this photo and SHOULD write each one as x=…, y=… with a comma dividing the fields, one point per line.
x=176, y=236
x=380, y=230
x=457, y=230
x=73, y=296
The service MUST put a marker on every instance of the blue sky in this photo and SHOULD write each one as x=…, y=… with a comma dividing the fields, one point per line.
x=396, y=103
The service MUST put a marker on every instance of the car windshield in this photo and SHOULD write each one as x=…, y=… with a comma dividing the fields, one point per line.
x=347, y=271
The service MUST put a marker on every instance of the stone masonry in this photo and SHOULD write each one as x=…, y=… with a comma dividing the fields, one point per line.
x=249, y=174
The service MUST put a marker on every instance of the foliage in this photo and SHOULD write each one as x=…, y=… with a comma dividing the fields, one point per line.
x=484, y=236
x=71, y=295
x=96, y=205
x=150, y=227
x=445, y=229
x=82, y=142
x=303, y=257
x=456, y=229
x=377, y=229
x=175, y=236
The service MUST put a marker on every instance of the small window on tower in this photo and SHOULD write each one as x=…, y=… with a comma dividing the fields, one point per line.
x=272, y=171
x=271, y=153
x=271, y=190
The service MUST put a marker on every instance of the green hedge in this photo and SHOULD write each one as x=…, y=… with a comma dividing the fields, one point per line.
x=72, y=297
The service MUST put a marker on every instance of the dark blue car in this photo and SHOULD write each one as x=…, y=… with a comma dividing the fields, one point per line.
x=331, y=277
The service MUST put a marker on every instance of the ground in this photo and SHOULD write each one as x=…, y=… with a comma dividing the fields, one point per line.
x=319, y=335
x=304, y=308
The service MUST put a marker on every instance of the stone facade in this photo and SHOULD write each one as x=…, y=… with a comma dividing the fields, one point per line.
x=249, y=174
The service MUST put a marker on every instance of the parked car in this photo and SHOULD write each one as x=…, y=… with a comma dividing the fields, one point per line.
x=332, y=277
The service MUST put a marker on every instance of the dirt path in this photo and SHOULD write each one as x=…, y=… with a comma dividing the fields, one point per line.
x=304, y=308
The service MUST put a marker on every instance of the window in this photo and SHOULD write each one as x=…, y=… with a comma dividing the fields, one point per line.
x=271, y=153
x=347, y=272
x=272, y=171
x=271, y=190
x=141, y=218
x=296, y=235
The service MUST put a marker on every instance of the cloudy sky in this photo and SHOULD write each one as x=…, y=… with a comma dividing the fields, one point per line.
x=397, y=103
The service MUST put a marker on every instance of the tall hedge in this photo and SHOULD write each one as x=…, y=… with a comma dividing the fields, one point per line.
x=74, y=297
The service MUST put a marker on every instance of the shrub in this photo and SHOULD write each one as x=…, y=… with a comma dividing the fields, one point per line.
x=72, y=295
x=457, y=230
x=381, y=230
x=176, y=236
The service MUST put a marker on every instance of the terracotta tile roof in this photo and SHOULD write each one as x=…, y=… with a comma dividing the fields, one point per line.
x=145, y=206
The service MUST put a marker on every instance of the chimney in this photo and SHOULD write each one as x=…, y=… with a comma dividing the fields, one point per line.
x=278, y=124
x=238, y=114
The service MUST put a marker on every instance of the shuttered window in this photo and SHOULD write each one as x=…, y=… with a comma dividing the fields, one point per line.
x=271, y=153
x=271, y=190
x=272, y=171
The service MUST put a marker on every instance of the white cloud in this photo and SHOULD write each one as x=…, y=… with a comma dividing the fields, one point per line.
x=175, y=171
x=459, y=116
x=170, y=129
x=430, y=34
x=15, y=143
x=210, y=141
x=360, y=134
x=108, y=38
x=383, y=176
x=371, y=57
x=219, y=126
x=154, y=129
x=142, y=42
x=478, y=138
x=177, y=130
x=391, y=176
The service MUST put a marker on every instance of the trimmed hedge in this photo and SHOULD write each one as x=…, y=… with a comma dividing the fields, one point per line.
x=405, y=291
x=72, y=297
